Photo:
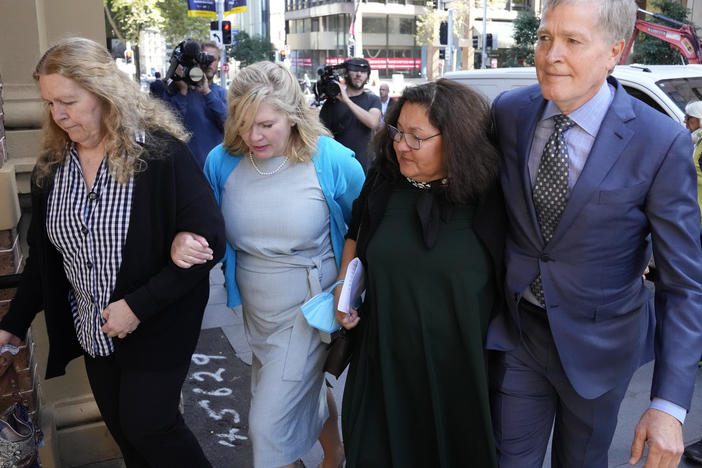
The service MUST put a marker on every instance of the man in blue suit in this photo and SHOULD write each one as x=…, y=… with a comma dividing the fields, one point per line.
x=594, y=181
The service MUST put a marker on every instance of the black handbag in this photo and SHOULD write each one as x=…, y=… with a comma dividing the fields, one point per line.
x=340, y=351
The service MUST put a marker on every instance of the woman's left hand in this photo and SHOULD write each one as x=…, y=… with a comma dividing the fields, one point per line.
x=348, y=321
x=188, y=249
x=120, y=320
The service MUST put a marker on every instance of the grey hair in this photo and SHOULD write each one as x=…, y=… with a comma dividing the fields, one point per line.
x=616, y=18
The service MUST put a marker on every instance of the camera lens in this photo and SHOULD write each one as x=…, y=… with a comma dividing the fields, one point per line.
x=195, y=74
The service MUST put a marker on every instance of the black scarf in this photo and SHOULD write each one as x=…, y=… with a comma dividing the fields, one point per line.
x=433, y=207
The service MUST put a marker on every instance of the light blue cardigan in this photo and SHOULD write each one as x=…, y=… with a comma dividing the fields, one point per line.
x=340, y=177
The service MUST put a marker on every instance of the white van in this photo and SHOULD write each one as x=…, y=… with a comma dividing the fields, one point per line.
x=666, y=88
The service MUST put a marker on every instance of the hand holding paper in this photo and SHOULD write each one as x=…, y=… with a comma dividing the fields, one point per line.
x=354, y=285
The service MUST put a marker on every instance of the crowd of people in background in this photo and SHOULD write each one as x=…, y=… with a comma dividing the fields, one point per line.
x=503, y=246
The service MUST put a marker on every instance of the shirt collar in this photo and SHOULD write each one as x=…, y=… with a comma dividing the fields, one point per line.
x=589, y=116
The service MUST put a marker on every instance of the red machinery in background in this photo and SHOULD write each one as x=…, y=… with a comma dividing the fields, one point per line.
x=681, y=37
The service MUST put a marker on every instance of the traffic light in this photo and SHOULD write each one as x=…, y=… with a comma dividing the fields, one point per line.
x=226, y=32
x=475, y=42
x=443, y=33
x=282, y=56
x=442, y=54
x=488, y=41
x=128, y=56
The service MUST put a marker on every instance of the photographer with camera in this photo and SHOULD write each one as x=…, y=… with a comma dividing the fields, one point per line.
x=353, y=113
x=201, y=104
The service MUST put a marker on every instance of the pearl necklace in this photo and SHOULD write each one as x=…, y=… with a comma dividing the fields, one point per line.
x=264, y=173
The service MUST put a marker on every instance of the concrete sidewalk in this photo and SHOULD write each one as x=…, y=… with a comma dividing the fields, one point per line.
x=635, y=402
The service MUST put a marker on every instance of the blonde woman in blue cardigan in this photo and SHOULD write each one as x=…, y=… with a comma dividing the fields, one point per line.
x=285, y=189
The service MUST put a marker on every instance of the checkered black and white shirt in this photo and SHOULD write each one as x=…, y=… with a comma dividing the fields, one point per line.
x=89, y=228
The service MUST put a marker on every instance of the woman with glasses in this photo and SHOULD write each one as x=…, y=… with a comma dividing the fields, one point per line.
x=428, y=228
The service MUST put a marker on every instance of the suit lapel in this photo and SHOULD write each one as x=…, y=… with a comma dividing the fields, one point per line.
x=531, y=110
x=610, y=142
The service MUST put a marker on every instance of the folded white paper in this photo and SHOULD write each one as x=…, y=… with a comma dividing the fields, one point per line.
x=353, y=287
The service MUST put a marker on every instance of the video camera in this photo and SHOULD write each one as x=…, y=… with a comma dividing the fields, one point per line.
x=325, y=86
x=188, y=55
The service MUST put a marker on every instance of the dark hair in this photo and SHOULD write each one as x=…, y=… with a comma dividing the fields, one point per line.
x=463, y=118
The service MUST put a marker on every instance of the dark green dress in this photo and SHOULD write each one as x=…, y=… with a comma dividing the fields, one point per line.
x=417, y=390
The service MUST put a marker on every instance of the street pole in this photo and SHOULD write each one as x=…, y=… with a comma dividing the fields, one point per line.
x=484, y=56
x=223, y=53
x=448, y=54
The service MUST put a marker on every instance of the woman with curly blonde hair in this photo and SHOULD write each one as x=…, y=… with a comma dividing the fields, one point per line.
x=113, y=185
x=285, y=189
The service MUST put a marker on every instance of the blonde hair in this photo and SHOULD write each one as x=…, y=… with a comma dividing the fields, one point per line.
x=274, y=84
x=127, y=112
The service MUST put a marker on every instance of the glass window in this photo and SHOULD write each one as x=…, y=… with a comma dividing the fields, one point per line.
x=315, y=25
x=406, y=25
x=641, y=96
x=307, y=25
x=682, y=90
x=331, y=23
x=394, y=25
x=517, y=4
x=374, y=25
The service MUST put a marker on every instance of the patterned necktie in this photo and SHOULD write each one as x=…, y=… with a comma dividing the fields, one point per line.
x=550, y=188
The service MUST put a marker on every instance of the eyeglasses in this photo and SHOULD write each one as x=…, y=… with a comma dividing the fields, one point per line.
x=412, y=140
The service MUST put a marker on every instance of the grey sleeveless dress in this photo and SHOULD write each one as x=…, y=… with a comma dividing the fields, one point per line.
x=279, y=226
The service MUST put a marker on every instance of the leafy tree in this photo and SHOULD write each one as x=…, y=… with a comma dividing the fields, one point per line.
x=127, y=18
x=248, y=50
x=178, y=26
x=524, y=35
x=651, y=50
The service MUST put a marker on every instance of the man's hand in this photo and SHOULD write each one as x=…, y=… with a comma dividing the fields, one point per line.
x=120, y=319
x=343, y=96
x=370, y=118
x=663, y=434
x=180, y=84
x=203, y=86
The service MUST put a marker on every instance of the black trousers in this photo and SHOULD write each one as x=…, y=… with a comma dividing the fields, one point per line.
x=140, y=408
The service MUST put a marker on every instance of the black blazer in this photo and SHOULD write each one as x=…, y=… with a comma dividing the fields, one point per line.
x=170, y=195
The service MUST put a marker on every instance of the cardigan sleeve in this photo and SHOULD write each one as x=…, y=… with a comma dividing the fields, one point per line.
x=29, y=298
x=195, y=211
x=360, y=203
x=349, y=181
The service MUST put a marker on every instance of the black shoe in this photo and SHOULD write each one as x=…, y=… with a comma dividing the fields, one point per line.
x=693, y=452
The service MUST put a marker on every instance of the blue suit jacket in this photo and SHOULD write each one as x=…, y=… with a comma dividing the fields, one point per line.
x=637, y=189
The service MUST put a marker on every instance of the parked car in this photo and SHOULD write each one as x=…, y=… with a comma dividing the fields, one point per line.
x=666, y=88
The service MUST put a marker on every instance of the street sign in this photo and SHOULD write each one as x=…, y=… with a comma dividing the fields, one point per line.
x=216, y=36
x=225, y=67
